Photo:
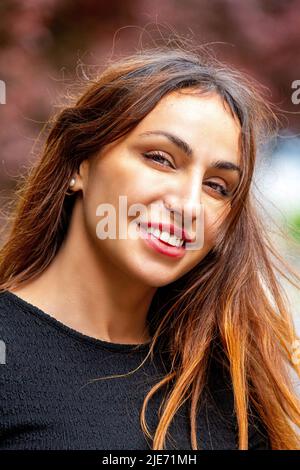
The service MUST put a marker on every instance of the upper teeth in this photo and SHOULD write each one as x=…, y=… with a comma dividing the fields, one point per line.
x=165, y=236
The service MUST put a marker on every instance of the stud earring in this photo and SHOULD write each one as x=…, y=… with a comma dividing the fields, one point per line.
x=72, y=182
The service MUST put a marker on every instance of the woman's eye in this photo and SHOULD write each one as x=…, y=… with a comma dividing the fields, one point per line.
x=158, y=158
x=219, y=188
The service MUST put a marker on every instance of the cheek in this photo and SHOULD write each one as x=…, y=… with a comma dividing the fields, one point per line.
x=106, y=203
x=213, y=218
x=98, y=205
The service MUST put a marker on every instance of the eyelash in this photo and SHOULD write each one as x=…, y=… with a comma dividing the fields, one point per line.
x=224, y=192
x=152, y=155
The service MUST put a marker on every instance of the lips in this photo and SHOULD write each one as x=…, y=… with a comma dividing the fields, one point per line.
x=159, y=245
x=169, y=228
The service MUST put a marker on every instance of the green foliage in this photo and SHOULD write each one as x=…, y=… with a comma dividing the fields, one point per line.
x=294, y=225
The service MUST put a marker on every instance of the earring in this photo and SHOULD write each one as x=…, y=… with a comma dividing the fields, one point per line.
x=72, y=182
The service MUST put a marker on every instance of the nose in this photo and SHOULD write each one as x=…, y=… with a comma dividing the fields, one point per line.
x=187, y=199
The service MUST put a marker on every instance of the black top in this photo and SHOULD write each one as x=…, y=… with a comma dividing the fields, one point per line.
x=48, y=399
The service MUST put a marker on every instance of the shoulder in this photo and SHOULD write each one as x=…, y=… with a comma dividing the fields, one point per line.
x=7, y=306
x=13, y=322
x=9, y=326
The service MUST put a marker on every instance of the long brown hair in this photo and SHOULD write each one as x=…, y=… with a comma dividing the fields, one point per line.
x=232, y=297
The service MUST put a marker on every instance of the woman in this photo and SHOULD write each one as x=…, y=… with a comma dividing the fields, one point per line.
x=130, y=342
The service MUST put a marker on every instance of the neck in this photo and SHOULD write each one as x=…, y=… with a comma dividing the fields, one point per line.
x=86, y=291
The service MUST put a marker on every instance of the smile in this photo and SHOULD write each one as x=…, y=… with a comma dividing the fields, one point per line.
x=163, y=242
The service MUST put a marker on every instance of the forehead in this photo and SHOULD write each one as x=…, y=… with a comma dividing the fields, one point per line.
x=203, y=120
x=198, y=104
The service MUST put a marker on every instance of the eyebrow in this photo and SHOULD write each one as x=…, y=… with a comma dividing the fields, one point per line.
x=187, y=150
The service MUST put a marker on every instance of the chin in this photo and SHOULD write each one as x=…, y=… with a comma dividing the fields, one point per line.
x=155, y=275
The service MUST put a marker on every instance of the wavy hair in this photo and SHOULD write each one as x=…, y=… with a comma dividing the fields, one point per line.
x=232, y=298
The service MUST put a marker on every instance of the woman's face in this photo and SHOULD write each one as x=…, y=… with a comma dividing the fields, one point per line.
x=169, y=178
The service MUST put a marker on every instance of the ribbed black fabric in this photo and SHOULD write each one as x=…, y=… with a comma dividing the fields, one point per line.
x=48, y=399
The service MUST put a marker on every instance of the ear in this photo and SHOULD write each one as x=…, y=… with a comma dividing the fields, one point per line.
x=81, y=176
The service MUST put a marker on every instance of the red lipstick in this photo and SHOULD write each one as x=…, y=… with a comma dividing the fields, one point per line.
x=159, y=245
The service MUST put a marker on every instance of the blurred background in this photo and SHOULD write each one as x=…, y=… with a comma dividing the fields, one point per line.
x=44, y=42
